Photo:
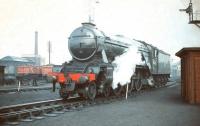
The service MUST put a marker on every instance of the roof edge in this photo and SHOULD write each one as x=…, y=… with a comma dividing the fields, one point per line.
x=186, y=49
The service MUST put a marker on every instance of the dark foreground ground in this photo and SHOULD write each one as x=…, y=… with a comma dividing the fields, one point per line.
x=27, y=97
x=15, y=97
x=162, y=107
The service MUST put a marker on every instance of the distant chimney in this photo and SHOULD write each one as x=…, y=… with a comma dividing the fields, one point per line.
x=36, y=43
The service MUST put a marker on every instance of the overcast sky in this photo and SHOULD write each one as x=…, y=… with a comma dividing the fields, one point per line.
x=157, y=22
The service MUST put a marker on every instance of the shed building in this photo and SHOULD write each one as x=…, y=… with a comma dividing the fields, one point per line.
x=190, y=74
x=11, y=63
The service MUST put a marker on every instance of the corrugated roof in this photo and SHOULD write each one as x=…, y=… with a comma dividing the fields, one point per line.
x=13, y=58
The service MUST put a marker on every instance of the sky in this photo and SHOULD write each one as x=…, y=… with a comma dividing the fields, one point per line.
x=158, y=22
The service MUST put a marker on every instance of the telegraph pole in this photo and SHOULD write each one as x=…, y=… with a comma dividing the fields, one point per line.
x=49, y=51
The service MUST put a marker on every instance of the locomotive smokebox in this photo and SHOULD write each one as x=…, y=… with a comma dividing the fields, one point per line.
x=82, y=42
x=86, y=41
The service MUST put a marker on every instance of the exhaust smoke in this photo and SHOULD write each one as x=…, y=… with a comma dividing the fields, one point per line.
x=125, y=66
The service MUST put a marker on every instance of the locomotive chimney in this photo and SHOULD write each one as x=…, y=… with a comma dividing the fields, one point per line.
x=36, y=43
x=88, y=24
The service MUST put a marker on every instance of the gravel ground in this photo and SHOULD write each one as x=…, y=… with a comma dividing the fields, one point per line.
x=162, y=107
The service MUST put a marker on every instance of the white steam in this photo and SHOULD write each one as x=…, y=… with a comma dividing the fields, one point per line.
x=125, y=66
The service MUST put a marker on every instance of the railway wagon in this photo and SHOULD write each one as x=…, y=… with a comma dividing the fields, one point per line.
x=90, y=72
x=32, y=74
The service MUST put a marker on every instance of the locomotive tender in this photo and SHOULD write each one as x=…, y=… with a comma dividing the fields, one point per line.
x=90, y=72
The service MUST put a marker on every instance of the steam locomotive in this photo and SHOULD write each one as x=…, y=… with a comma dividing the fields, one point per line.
x=90, y=72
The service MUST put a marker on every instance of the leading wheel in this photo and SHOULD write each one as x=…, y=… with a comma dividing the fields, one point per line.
x=91, y=93
x=63, y=93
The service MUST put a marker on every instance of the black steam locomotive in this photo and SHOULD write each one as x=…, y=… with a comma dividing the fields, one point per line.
x=90, y=72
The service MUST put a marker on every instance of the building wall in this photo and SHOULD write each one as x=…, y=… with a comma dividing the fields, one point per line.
x=190, y=75
x=10, y=66
x=197, y=77
x=1, y=75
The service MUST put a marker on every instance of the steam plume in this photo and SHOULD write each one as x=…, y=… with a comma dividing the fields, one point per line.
x=125, y=66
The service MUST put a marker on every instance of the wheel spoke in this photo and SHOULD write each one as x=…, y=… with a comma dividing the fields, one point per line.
x=106, y=91
x=138, y=84
x=92, y=91
x=63, y=93
x=131, y=86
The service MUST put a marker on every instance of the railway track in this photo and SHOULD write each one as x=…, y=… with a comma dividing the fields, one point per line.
x=14, y=90
x=12, y=115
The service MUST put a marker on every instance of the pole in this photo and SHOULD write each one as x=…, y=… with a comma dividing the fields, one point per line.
x=126, y=91
x=54, y=84
x=36, y=43
x=19, y=85
x=49, y=50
